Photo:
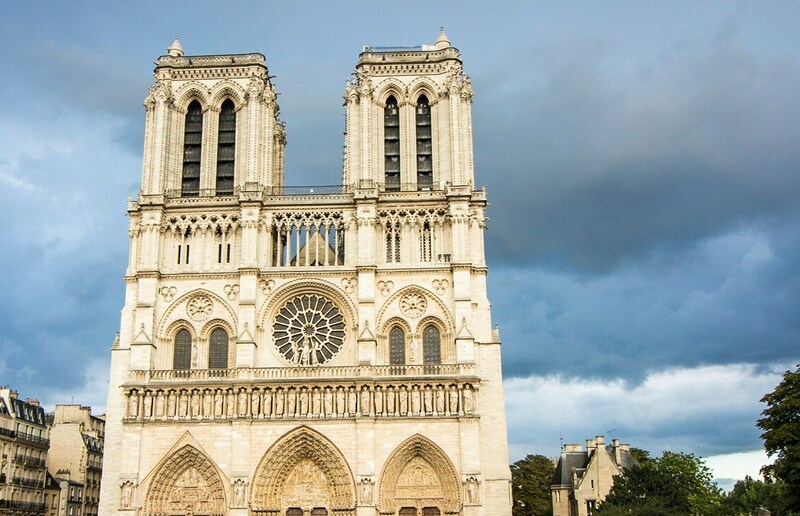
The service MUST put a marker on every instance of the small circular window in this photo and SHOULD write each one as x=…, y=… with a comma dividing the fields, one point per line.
x=309, y=330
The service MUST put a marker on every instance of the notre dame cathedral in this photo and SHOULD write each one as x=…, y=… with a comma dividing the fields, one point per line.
x=307, y=351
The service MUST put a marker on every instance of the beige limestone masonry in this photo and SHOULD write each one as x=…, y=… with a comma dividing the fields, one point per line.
x=297, y=352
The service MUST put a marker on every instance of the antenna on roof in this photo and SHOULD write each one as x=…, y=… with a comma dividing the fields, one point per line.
x=561, y=438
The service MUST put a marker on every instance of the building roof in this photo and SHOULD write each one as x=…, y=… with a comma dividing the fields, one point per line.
x=577, y=461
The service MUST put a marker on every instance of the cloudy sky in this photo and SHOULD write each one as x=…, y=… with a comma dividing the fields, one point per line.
x=642, y=161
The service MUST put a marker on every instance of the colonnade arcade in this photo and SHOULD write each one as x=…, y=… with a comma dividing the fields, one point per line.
x=302, y=474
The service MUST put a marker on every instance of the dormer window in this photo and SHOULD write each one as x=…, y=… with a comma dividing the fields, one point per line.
x=192, y=149
x=391, y=144
x=424, y=145
x=226, y=149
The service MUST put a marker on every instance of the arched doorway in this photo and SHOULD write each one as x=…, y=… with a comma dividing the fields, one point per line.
x=302, y=474
x=186, y=484
x=419, y=479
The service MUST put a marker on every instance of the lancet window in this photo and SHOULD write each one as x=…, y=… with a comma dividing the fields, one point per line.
x=192, y=149
x=218, y=349
x=431, y=345
x=397, y=346
x=182, y=350
x=226, y=149
x=424, y=144
x=426, y=243
x=391, y=144
x=392, y=242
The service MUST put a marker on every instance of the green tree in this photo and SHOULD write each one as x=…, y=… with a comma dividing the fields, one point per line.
x=748, y=495
x=673, y=484
x=530, y=486
x=781, y=426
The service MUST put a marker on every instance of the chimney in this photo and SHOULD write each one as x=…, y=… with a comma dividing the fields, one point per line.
x=601, y=441
x=31, y=401
x=617, y=455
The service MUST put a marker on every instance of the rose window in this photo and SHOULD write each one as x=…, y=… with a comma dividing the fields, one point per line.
x=309, y=330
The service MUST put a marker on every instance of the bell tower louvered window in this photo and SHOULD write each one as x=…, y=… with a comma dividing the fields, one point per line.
x=226, y=148
x=391, y=144
x=424, y=145
x=218, y=349
x=192, y=148
x=182, y=352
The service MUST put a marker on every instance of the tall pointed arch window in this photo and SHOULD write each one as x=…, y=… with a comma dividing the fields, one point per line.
x=397, y=346
x=226, y=148
x=391, y=144
x=424, y=145
x=218, y=349
x=182, y=350
x=192, y=149
x=431, y=345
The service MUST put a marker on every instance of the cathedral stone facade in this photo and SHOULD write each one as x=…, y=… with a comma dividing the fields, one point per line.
x=314, y=351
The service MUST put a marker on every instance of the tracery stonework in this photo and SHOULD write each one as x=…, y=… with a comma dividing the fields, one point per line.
x=186, y=484
x=309, y=330
x=199, y=307
x=413, y=305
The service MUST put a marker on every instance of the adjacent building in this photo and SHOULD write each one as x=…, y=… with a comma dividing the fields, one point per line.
x=583, y=478
x=307, y=351
x=23, y=462
x=76, y=457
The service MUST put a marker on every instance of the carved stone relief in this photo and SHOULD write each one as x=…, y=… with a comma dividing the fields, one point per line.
x=126, y=498
x=349, y=284
x=365, y=490
x=266, y=286
x=413, y=305
x=168, y=293
x=472, y=491
x=440, y=286
x=186, y=484
x=232, y=291
x=200, y=307
x=385, y=287
x=239, y=493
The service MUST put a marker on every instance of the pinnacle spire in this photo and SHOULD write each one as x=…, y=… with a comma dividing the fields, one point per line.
x=175, y=50
x=442, y=41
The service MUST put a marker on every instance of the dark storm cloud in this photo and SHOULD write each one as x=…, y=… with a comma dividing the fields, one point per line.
x=611, y=162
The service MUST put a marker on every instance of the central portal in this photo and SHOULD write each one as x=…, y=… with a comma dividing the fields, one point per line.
x=303, y=474
x=306, y=490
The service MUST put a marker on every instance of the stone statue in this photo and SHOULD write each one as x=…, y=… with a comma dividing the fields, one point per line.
x=171, y=404
x=218, y=404
x=238, y=493
x=366, y=491
x=440, y=399
x=453, y=400
x=279, y=402
x=390, y=401
x=148, y=405
x=378, y=401
x=183, y=404
x=352, y=401
x=133, y=404
x=255, y=404
x=291, y=403
x=195, y=404
x=428, y=398
x=364, y=401
x=230, y=399
x=340, y=406
x=207, y=403
x=472, y=490
x=316, y=402
x=126, y=501
x=468, y=403
x=267, y=402
x=415, y=401
x=242, y=403
x=328, y=401
x=403, y=401
x=303, y=402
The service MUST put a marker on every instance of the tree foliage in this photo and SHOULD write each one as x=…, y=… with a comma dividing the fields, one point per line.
x=530, y=486
x=749, y=495
x=781, y=426
x=673, y=484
